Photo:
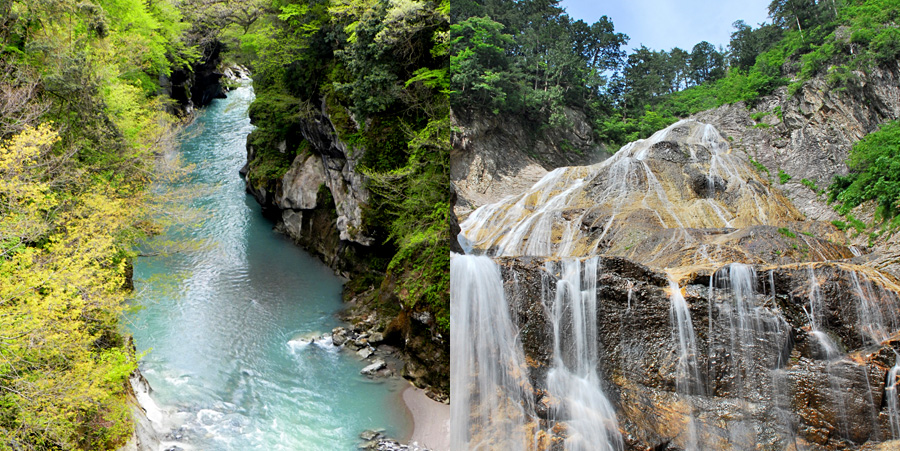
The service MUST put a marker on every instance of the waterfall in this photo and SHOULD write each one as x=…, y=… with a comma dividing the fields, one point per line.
x=487, y=365
x=573, y=380
x=583, y=211
x=829, y=349
x=772, y=369
x=753, y=337
x=876, y=309
x=893, y=404
x=687, y=373
x=827, y=346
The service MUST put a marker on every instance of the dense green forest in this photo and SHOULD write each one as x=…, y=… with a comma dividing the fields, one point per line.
x=377, y=70
x=80, y=128
x=83, y=119
x=530, y=58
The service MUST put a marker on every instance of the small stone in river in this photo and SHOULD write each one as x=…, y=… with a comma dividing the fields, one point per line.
x=364, y=353
x=373, y=368
x=338, y=336
x=369, y=435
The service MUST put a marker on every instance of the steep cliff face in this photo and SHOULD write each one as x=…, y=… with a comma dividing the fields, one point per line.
x=494, y=156
x=198, y=85
x=808, y=135
x=320, y=201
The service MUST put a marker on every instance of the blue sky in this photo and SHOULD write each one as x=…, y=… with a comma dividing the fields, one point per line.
x=663, y=24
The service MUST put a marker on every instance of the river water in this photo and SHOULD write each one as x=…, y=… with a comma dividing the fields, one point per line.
x=220, y=319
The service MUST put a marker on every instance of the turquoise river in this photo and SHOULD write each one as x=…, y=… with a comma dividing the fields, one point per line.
x=221, y=313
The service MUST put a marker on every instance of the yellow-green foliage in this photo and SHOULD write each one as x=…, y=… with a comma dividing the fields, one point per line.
x=63, y=365
x=80, y=131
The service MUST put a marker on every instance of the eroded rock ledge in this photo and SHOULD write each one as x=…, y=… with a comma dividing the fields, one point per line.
x=319, y=203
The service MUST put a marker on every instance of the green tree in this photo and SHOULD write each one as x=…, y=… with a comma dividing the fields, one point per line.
x=707, y=64
x=481, y=72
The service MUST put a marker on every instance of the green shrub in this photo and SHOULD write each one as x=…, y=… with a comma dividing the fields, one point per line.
x=759, y=166
x=874, y=173
x=787, y=232
x=783, y=177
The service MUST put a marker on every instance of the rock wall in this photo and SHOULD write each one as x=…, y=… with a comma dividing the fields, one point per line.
x=318, y=202
x=494, y=156
x=749, y=328
x=145, y=437
x=818, y=126
x=197, y=86
x=775, y=390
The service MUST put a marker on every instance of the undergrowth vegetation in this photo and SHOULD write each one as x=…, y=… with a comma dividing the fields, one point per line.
x=874, y=174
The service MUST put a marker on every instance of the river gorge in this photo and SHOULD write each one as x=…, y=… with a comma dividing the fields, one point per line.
x=231, y=319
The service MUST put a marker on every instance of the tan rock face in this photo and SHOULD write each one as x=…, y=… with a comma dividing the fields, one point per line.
x=496, y=156
x=656, y=201
x=300, y=184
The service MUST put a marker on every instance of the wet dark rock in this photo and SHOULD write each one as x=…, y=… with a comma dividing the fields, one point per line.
x=198, y=85
x=706, y=186
x=776, y=390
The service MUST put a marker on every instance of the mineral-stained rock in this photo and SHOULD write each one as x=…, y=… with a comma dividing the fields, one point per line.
x=494, y=156
x=770, y=391
x=812, y=138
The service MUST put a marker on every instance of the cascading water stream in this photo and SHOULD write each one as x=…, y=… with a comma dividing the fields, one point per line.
x=573, y=381
x=681, y=203
x=687, y=373
x=753, y=345
x=828, y=348
x=876, y=310
x=893, y=403
x=487, y=365
x=814, y=313
x=583, y=211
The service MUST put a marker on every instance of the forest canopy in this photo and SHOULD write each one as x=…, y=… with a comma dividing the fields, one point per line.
x=80, y=127
x=528, y=57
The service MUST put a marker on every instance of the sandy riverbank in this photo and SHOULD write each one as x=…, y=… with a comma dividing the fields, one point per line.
x=431, y=420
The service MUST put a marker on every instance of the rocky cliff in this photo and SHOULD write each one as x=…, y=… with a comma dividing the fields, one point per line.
x=196, y=86
x=494, y=156
x=760, y=377
x=320, y=200
x=808, y=135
